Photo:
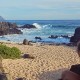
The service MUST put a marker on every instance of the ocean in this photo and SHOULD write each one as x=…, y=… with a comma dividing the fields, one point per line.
x=45, y=28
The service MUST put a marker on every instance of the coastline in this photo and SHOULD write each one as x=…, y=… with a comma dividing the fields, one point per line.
x=48, y=31
x=48, y=63
x=49, y=59
x=38, y=43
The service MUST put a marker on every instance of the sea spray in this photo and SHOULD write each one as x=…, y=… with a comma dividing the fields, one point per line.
x=37, y=25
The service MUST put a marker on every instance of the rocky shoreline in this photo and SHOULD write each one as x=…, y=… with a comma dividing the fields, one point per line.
x=7, y=28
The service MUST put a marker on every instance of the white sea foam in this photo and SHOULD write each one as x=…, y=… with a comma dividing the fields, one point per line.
x=47, y=26
x=37, y=25
x=44, y=26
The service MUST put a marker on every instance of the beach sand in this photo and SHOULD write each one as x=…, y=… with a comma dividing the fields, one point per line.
x=48, y=63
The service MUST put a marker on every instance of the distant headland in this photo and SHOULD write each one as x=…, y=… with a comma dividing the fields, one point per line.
x=2, y=19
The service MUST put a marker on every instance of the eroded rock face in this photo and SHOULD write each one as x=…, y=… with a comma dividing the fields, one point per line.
x=76, y=37
x=28, y=26
x=8, y=28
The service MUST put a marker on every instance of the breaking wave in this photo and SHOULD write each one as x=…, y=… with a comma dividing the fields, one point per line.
x=50, y=26
x=37, y=25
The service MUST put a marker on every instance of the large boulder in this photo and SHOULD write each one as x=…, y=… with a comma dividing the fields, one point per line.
x=77, y=32
x=7, y=25
x=28, y=26
x=8, y=28
x=3, y=76
x=26, y=42
x=76, y=37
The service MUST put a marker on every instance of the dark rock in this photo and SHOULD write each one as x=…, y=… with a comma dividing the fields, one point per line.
x=7, y=25
x=70, y=44
x=76, y=37
x=28, y=26
x=8, y=40
x=8, y=28
x=53, y=37
x=77, y=32
x=56, y=36
x=14, y=31
x=26, y=42
x=39, y=38
x=59, y=79
x=63, y=43
x=58, y=44
x=10, y=31
x=3, y=76
x=27, y=56
x=72, y=39
x=65, y=36
x=21, y=79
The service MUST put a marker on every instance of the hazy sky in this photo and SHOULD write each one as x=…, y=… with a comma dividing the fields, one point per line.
x=40, y=9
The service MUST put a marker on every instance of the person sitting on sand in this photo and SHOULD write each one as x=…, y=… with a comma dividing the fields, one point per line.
x=74, y=72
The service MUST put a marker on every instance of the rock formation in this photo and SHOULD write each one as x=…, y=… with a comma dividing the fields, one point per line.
x=38, y=38
x=53, y=36
x=26, y=42
x=28, y=26
x=76, y=37
x=8, y=28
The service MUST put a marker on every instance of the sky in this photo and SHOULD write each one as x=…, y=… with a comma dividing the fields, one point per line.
x=40, y=9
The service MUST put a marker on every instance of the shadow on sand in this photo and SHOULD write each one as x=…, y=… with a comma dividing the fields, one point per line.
x=51, y=75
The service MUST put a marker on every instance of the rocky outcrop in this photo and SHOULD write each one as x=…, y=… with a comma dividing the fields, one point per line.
x=38, y=38
x=8, y=28
x=53, y=36
x=24, y=55
x=28, y=26
x=76, y=37
x=56, y=36
x=26, y=42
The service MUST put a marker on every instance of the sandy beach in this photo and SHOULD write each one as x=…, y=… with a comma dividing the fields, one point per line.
x=48, y=63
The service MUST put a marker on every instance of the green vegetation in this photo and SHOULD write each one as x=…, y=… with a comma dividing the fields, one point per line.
x=7, y=52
